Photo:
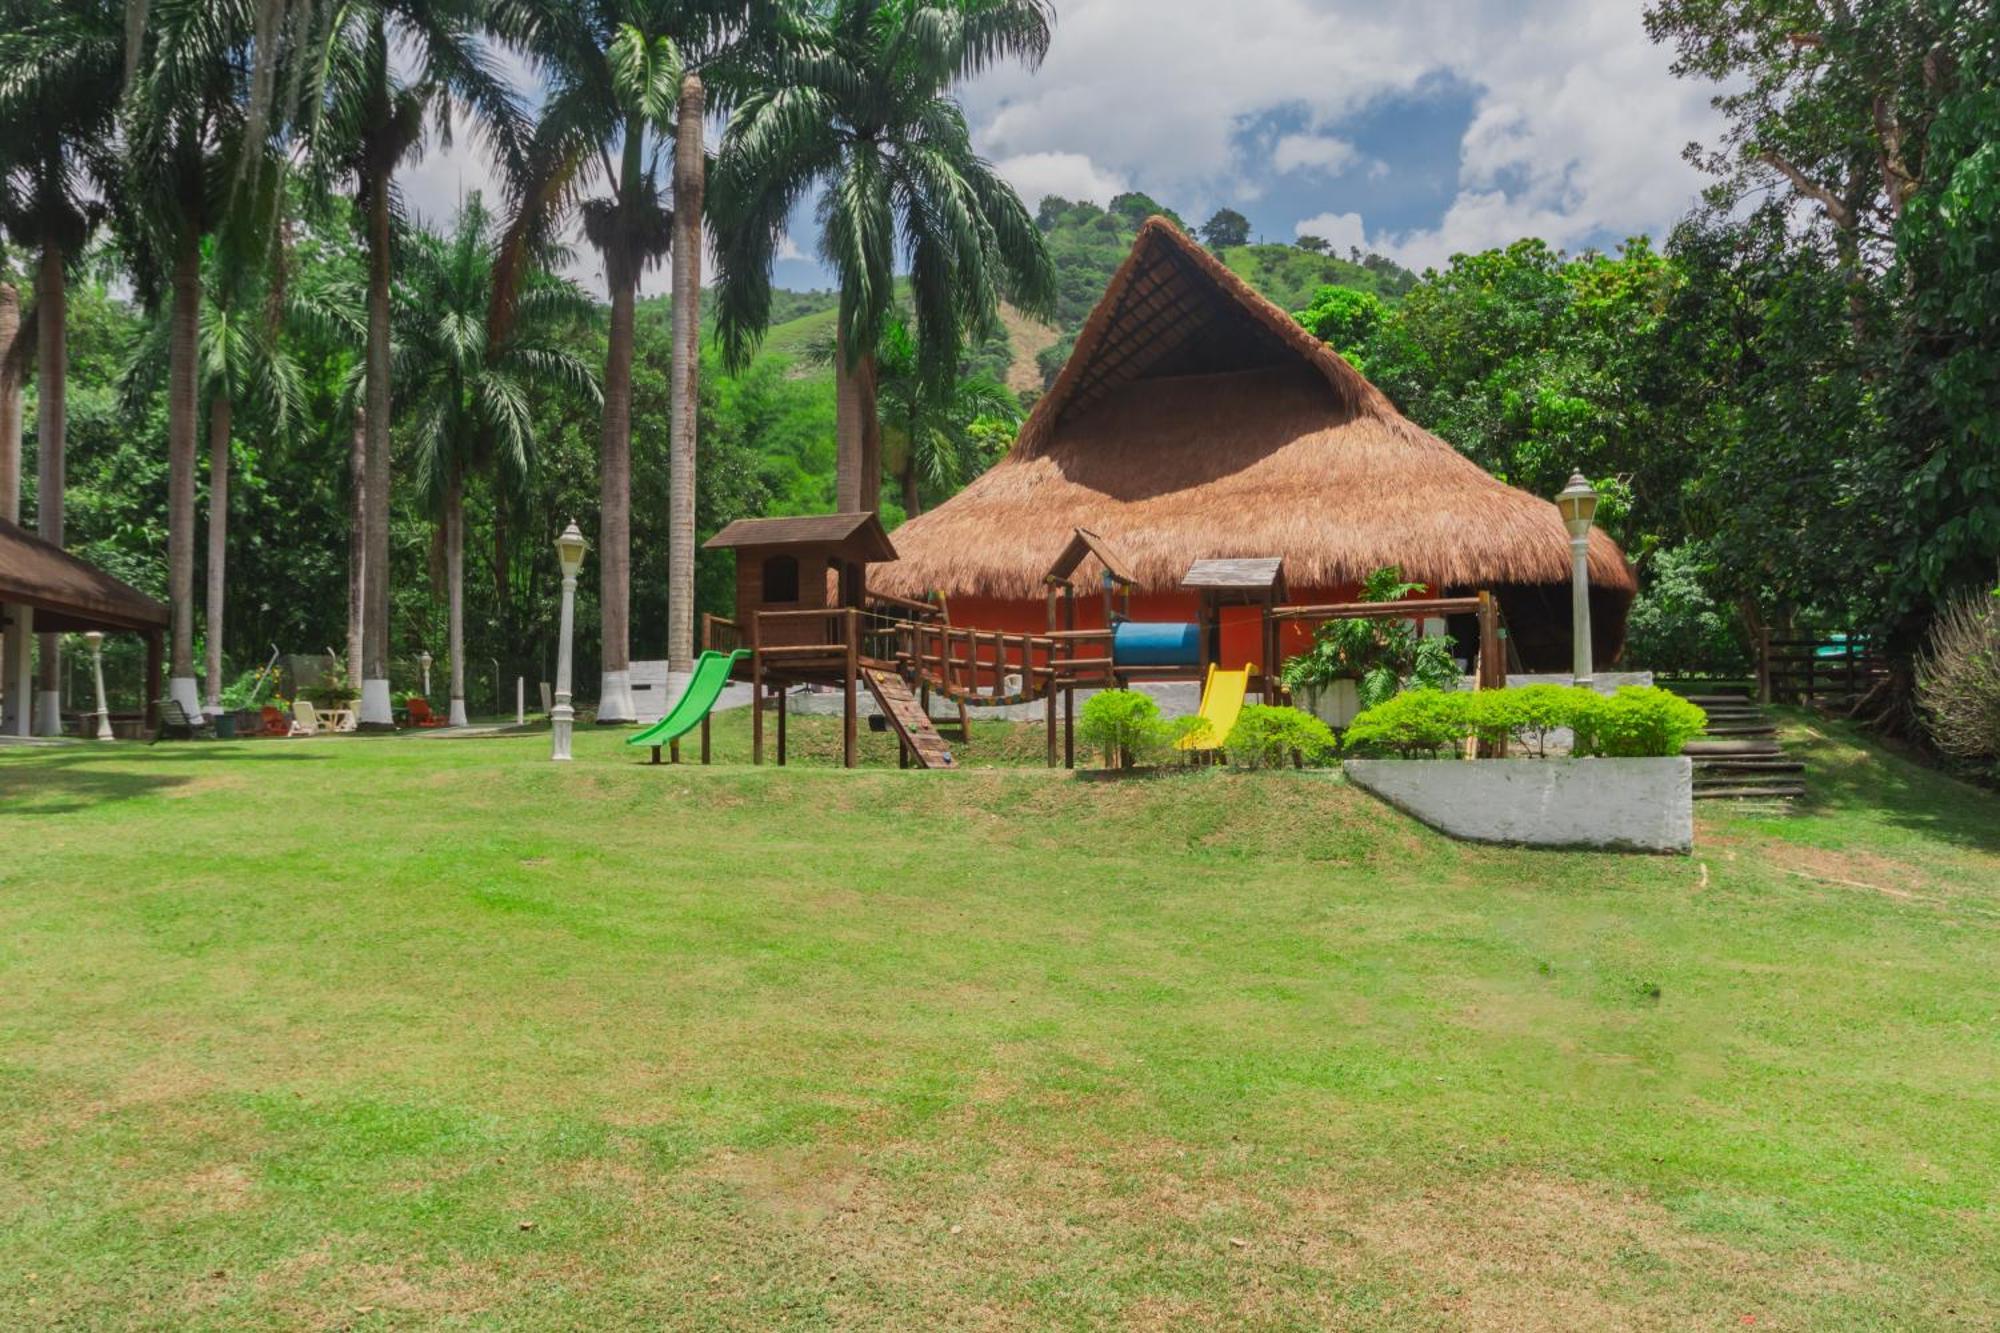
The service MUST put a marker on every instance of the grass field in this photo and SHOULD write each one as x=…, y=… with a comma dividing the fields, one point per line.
x=382, y=1033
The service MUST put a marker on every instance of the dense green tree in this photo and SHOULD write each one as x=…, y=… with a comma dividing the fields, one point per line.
x=1224, y=228
x=60, y=71
x=866, y=117
x=466, y=401
x=375, y=76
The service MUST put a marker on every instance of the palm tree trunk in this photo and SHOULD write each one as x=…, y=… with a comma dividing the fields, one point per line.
x=614, y=476
x=454, y=574
x=689, y=186
x=858, y=429
x=357, y=541
x=10, y=404
x=912, y=503
x=51, y=421
x=377, y=714
x=220, y=413
x=183, y=401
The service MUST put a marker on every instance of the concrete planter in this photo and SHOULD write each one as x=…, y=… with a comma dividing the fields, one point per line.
x=1641, y=805
x=1336, y=703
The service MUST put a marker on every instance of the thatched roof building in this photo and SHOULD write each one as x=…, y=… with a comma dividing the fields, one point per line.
x=1195, y=419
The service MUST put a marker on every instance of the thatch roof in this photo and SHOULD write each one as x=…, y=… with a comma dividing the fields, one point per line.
x=69, y=594
x=1196, y=420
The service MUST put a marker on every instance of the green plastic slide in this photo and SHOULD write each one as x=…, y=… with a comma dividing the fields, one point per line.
x=711, y=674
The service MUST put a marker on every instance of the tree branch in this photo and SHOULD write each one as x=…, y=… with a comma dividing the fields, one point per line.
x=1836, y=208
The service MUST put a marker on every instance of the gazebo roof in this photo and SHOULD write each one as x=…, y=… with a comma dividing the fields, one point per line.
x=68, y=594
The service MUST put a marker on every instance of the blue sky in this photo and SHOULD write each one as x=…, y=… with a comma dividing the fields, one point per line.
x=1418, y=129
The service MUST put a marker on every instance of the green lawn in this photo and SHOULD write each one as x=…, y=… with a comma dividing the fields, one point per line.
x=381, y=1033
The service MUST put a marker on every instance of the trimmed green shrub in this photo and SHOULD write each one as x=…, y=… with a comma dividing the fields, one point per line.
x=1640, y=721
x=1268, y=737
x=1636, y=722
x=1125, y=724
x=1415, y=722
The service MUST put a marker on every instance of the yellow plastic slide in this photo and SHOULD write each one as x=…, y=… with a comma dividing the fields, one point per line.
x=1221, y=701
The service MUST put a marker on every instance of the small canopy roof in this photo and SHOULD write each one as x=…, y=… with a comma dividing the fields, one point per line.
x=1250, y=575
x=70, y=595
x=851, y=536
x=1082, y=546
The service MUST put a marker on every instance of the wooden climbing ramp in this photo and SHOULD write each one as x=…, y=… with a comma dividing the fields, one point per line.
x=907, y=716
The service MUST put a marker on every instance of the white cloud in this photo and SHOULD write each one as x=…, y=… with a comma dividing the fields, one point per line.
x=1343, y=230
x=1321, y=152
x=1576, y=131
x=1071, y=175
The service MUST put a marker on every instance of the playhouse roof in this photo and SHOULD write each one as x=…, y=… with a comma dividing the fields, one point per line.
x=858, y=536
x=1197, y=420
x=69, y=594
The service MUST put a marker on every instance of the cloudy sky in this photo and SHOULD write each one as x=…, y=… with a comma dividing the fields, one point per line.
x=1416, y=129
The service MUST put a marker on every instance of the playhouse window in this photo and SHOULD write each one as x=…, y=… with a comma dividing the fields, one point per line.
x=781, y=579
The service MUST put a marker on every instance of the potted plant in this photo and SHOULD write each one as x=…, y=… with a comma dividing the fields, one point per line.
x=244, y=699
x=1355, y=664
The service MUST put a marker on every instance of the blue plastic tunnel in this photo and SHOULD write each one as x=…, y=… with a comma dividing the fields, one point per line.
x=1156, y=643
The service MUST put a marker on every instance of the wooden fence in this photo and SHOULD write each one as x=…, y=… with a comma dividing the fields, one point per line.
x=1809, y=668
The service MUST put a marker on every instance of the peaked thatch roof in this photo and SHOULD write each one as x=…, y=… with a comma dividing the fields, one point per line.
x=1196, y=420
x=67, y=593
x=858, y=535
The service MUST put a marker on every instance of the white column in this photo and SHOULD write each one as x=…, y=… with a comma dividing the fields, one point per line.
x=563, y=717
x=97, y=679
x=520, y=701
x=1580, y=665
x=20, y=669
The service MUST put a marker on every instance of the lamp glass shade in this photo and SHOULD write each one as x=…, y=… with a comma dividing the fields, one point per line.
x=424, y=658
x=95, y=638
x=570, y=547
x=1578, y=505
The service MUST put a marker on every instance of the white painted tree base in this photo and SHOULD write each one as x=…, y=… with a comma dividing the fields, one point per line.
x=48, y=712
x=376, y=710
x=614, y=698
x=183, y=691
x=458, y=718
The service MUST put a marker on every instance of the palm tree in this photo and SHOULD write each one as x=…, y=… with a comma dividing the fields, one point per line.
x=379, y=71
x=935, y=433
x=868, y=120
x=60, y=67
x=467, y=398
x=617, y=71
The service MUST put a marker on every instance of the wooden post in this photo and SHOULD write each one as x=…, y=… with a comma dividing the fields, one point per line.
x=1492, y=672
x=784, y=711
x=1069, y=727
x=1049, y=710
x=674, y=750
x=1764, y=664
x=849, y=674
x=756, y=688
x=707, y=630
x=704, y=733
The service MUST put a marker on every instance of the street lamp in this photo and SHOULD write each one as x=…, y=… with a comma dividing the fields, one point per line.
x=569, y=552
x=1578, y=506
x=96, y=641
x=424, y=661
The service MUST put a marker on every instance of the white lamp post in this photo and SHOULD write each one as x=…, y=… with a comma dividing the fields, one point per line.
x=569, y=551
x=424, y=661
x=1578, y=505
x=96, y=641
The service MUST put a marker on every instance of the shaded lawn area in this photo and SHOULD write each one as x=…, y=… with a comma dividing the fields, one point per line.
x=354, y=1032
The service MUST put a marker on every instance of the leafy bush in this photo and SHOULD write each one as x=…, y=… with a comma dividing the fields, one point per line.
x=1415, y=722
x=1637, y=722
x=1676, y=625
x=252, y=689
x=1125, y=724
x=1268, y=737
x=1380, y=654
x=1958, y=681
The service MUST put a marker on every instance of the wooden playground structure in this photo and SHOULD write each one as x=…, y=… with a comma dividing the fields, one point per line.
x=805, y=617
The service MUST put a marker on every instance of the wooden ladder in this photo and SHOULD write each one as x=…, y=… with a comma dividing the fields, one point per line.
x=919, y=737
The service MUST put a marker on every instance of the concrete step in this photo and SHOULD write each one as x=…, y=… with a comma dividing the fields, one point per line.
x=1749, y=793
x=1746, y=764
x=1722, y=700
x=1703, y=748
x=1742, y=729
